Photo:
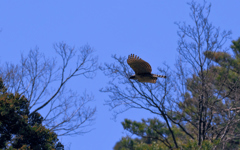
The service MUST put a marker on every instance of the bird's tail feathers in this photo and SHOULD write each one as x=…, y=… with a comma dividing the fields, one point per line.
x=161, y=76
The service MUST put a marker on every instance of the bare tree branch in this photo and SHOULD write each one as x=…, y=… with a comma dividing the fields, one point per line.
x=43, y=83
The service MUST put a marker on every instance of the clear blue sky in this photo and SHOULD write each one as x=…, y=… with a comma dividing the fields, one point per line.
x=121, y=27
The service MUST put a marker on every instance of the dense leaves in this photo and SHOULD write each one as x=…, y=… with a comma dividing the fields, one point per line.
x=19, y=128
x=152, y=135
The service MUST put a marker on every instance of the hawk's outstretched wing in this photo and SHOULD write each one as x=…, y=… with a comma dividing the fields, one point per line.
x=138, y=65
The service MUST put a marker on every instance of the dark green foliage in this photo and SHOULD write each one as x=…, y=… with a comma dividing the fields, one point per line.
x=126, y=143
x=230, y=65
x=13, y=110
x=225, y=60
x=150, y=130
x=153, y=131
x=19, y=129
x=153, y=135
x=59, y=146
x=35, y=118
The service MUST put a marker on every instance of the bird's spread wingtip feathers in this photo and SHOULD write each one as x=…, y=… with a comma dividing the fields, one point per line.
x=132, y=56
x=142, y=69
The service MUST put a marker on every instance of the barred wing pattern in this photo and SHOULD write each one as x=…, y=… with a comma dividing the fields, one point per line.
x=138, y=65
x=142, y=70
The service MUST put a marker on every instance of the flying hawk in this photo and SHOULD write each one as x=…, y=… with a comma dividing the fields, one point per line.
x=142, y=70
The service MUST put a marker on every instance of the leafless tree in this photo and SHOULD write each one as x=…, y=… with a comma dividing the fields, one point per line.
x=126, y=94
x=194, y=96
x=43, y=82
x=203, y=101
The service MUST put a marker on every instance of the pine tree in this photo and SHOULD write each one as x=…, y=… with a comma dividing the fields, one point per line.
x=20, y=129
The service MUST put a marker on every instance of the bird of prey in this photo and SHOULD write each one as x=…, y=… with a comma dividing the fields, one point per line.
x=142, y=70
